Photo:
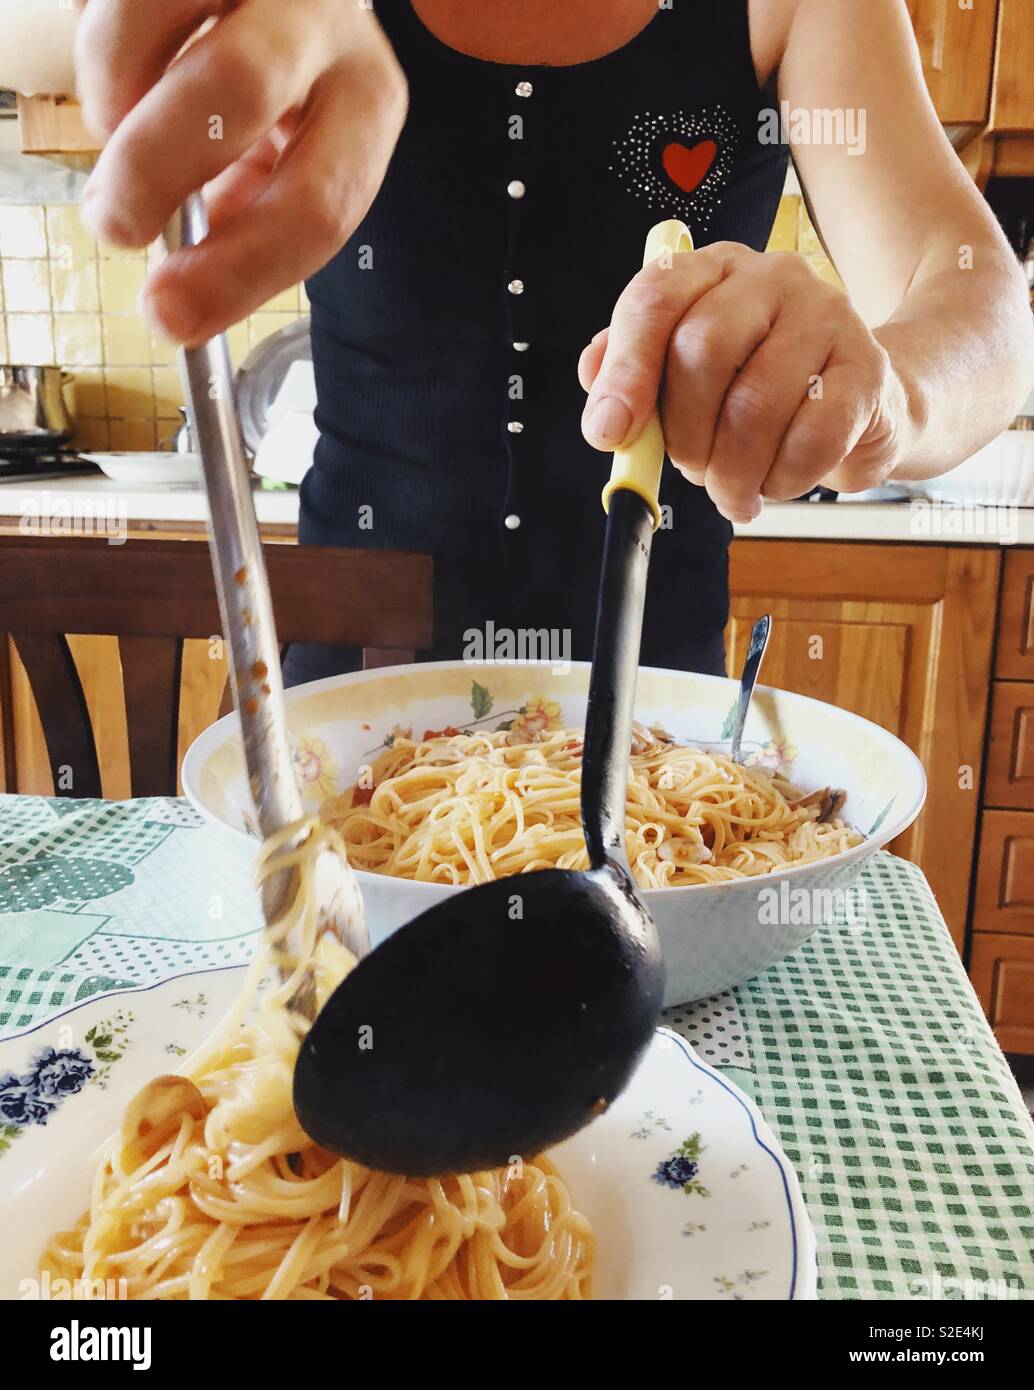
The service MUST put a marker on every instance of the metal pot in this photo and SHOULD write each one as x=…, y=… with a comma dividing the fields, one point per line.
x=33, y=410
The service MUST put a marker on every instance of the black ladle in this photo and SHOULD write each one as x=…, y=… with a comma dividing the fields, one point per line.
x=510, y=1015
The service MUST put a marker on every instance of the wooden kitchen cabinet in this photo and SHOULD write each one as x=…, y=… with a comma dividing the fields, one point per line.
x=1002, y=971
x=898, y=634
x=53, y=125
x=1013, y=105
x=1002, y=951
x=1004, y=900
x=1015, y=659
x=957, y=47
x=1010, y=750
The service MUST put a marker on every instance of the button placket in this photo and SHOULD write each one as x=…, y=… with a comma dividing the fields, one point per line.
x=516, y=191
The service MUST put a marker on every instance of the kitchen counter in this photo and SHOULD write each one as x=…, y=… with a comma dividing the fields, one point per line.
x=67, y=504
x=47, y=506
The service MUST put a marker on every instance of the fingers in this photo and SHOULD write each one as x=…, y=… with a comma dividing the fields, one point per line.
x=851, y=438
x=706, y=351
x=236, y=188
x=592, y=359
x=299, y=220
x=626, y=388
x=122, y=47
x=771, y=380
x=215, y=102
x=757, y=411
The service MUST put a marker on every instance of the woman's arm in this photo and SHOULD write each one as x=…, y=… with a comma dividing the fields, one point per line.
x=774, y=380
x=916, y=245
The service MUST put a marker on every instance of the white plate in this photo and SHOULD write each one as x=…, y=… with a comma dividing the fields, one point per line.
x=149, y=470
x=734, y=1226
x=713, y=935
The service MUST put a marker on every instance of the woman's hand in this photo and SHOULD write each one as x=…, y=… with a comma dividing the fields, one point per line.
x=769, y=381
x=288, y=112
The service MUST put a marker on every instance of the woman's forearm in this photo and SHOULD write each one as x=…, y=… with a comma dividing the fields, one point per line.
x=962, y=343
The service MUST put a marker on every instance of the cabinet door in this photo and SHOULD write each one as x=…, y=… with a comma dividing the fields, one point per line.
x=1002, y=971
x=957, y=46
x=1004, y=898
x=1015, y=660
x=898, y=634
x=1013, y=109
x=1010, y=750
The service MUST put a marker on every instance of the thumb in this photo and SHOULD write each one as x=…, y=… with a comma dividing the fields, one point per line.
x=628, y=381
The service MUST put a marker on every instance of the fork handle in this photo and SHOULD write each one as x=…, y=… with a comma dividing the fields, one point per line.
x=237, y=560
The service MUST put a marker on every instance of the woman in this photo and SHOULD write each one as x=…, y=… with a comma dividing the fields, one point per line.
x=464, y=256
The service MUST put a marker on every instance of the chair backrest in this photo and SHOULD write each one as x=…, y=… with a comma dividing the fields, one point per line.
x=154, y=594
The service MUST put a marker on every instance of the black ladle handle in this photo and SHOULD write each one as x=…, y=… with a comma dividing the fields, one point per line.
x=633, y=514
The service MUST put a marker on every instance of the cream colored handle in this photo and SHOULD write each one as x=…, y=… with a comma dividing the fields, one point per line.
x=638, y=467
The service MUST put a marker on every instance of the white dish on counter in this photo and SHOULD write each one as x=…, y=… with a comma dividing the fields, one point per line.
x=685, y=1185
x=148, y=470
x=713, y=935
x=1001, y=474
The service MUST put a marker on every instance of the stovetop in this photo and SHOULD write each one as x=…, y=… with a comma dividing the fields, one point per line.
x=25, y=465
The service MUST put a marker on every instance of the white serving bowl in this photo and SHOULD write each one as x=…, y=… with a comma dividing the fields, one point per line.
x=713, y=936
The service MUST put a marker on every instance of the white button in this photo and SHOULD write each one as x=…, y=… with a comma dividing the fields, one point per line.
x=515, y=188
x=515, y=426
x=512, y=522
x=524, y=89
x=516, y=287
x=521, y=347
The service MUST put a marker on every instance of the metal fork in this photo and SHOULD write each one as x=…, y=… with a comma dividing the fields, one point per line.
x=246, y=608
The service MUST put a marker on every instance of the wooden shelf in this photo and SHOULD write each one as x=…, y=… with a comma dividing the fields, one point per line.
x=53, y=125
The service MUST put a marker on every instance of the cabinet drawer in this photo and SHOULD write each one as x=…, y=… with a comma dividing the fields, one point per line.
x=1005, y=873
x=1015, y=660
x=1002, y=971
x=1010, y=754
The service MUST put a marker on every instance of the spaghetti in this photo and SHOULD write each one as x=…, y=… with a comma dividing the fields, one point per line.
x=466, y=808
x=213, y=1191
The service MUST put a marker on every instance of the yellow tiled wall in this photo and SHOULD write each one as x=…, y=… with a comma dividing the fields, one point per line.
x=66, y=300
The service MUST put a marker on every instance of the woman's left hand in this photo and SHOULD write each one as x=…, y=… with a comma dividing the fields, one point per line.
x=769, y=381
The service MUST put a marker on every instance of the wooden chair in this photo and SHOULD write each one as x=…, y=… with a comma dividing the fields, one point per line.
x=152, y=595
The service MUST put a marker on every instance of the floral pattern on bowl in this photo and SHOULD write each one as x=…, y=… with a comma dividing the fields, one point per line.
x=713, y=935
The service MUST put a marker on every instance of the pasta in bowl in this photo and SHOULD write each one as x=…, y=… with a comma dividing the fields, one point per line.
x=439, y=775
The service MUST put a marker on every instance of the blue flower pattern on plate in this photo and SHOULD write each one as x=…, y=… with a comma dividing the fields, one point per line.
x=29, y=1099
x=680, y=1170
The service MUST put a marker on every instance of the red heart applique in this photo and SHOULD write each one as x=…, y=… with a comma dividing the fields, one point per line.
x=688, y=166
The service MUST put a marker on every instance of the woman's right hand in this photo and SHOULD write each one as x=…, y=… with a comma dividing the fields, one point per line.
x=287, y=113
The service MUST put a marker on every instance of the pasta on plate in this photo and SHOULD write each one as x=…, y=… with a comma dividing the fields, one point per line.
x=466, y=808
x=211, y=1190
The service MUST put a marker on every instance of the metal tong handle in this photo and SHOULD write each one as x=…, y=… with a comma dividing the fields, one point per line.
x=240, y=570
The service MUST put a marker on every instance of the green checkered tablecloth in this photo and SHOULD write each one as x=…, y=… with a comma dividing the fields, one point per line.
x=866, y=1049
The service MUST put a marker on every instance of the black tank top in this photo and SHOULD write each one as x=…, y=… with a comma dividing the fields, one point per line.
x=447, y=331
